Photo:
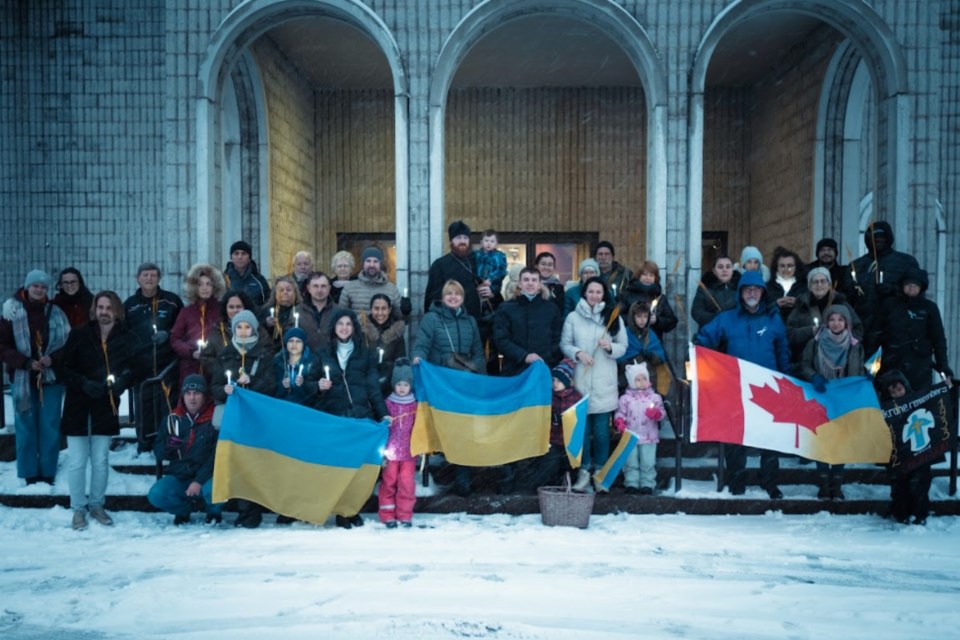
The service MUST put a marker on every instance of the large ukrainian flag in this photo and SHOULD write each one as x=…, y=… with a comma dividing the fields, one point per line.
x=294, y=460
x=481, y=421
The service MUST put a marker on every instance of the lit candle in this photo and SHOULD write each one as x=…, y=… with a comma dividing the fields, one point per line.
x=853, y=273
x=614, y=287
x=271, y=312
x=326, y=371
x=881, y=277
x=111, y=379
x=404, y=292
x=381, y=354
x=653, y=307
x=300, y=371
x=154, y=329
x=296, y=319
x=816, y=322
x=201, y=344
x=229, y=376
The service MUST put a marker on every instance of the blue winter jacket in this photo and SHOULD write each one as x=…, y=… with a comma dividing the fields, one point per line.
x=758, y=337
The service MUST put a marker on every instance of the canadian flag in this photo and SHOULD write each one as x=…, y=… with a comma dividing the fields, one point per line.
x=738, y=402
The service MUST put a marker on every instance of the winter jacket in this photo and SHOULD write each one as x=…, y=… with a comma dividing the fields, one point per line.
x=284, y=318
x=913, y=339
x=356, y=294
x=443, y=332
x=189, y=443
x=632, y=408
x=705, y=307
x=490, y=265
x=76, y=307
x=251, y=282
x=807, y=317
x=641, y=347
x=390, y=337
x=582, y=331
x=652, y=294
x=870, y=293
x=398, y=442
x=521, y=327
x=775, y=292
x=141, y=318
x=257, y=361
x=37, y=321
x=450, y=267
x=218, y=341
x=758, y=337
x=808, y=367
x=85, y=370
x=618, y=277
x=356, y=389
x=317, y=324
x=187, y=330
x=307, y=367
x=571, y=298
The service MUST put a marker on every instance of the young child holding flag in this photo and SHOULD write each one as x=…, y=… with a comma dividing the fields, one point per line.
x=397, y=493
x=639, y=411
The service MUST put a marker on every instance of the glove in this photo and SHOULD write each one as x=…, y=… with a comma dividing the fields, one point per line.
x=160, y=337
x=819, y=383
x=947, y=372
x=653, y=413
x=620, y=424
x=120, y=382
x=173, y=446
x=405, y=306
x=93, y=389
x=8, y=307
x=887, y=290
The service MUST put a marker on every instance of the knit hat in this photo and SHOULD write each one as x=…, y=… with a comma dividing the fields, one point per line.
x=750, y=253
x=602, y=244
x=564, y=372
x=589, y=263
x=194, y=382
x=240, y=245
x=295, y=332
x=843, y=310
x=402, y=372
x=634, y=370
x=458, y=228
x=36, y=277
x=917, y=276
x=823, y=271
x=372, y=252
x=245, y=316
x=827, y=242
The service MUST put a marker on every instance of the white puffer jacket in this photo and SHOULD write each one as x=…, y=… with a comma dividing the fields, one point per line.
x=582, y=331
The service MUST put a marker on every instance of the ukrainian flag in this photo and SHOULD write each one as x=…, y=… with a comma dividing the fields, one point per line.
x=574, y=422
x=481, y=421
x=613, y=466
x=295, y=460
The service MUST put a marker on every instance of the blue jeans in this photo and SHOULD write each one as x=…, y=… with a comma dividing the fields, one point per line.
x=596, y=441
x=38, y=433
x=169, y=494
x=79, y=450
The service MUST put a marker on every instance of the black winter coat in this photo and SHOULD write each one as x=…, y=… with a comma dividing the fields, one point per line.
x=84, y=369
x=140, y=318
x=356, y=390
x=522, y=327
x=636, y=291
x=870, y=295
x=911, y=333
x=704, y=308
x=257, y=362
x=192, y=459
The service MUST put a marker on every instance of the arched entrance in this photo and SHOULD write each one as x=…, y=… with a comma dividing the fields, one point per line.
x=302, y=178
x=876, y=45
x=541, y=100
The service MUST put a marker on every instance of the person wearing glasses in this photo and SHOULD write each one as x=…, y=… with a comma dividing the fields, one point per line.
x=73, y=297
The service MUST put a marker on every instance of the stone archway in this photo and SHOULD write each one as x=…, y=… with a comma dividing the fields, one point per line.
x=616, y=23
x=227, y=47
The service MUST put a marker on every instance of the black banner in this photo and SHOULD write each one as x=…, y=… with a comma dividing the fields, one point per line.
x=920, y=428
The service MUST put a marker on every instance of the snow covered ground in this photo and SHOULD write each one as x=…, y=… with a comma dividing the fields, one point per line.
x=460, y=576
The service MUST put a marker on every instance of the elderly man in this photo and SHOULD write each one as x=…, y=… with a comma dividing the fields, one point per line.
x=31, y=344
x=242, y=274
x=150, y=315
x=356, y=294
x=751, y=331
x=612, y=272
x=302, y=268
x=188, y=441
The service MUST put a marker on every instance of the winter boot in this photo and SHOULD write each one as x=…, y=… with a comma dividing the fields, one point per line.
x=583, y=480
x=823, y=482
x=836, y=488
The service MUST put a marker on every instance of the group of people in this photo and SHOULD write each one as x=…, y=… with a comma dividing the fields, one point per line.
x=338, y=343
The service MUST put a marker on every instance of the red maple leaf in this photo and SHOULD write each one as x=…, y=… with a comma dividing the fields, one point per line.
x=789, y=405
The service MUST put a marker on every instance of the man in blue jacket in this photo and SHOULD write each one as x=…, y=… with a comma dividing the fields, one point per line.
x=751, y=331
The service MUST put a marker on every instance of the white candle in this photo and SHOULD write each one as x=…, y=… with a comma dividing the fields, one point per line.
x=300, y=371
x=271, y=312
x=326, y=371
x=881, y=277
x=201, y=344
x=404, y=292
x=229, y=375
x=110, y=379
x=381, y=354
x=614, y=287
x=296, y=319
x=154, y=329
x=816, y=322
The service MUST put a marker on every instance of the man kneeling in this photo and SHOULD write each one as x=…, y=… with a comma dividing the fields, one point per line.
x=189, y=442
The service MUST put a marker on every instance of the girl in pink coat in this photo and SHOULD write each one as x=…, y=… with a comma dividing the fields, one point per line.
x=640, y=410
x=397, y=493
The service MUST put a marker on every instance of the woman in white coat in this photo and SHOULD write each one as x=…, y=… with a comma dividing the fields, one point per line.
x=594, y=337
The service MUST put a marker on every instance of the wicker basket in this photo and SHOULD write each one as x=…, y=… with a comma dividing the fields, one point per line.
x=563, y=507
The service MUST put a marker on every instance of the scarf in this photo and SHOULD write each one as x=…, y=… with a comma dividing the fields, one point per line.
x=58, y=328
x=832, y=353
x=407, y=399
x=344, y=350
x=786, y=283
x=245, y=344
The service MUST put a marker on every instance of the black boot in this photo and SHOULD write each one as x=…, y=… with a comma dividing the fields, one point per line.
x=823, y=482
x=836, y=487
x=344, y=522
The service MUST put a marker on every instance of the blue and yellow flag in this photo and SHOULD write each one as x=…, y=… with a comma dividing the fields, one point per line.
x=481, y=421
x=613, y=466
x=574, y=427
x=295, y=460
